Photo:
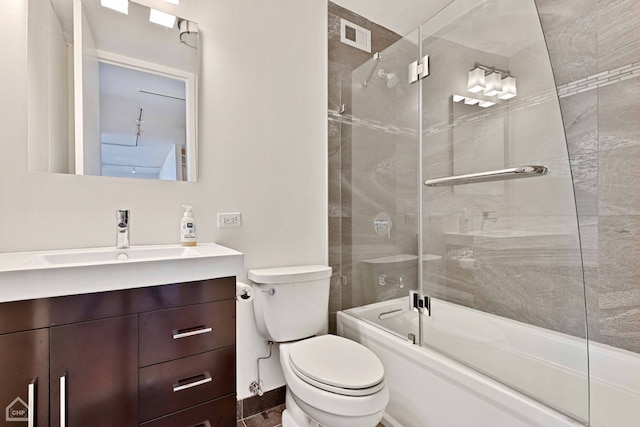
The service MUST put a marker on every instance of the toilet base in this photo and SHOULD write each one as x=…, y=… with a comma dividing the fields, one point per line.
x=293, y=416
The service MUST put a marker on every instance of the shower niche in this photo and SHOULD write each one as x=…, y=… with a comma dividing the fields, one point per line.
x=469, y=159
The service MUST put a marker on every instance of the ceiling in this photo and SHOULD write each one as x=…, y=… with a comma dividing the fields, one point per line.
x=501, y=27
x=400, y=16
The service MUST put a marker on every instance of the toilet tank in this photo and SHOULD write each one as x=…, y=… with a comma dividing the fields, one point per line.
x=291, y=303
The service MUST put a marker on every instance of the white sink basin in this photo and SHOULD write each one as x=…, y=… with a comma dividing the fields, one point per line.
x=103, y=255
x=29, y=275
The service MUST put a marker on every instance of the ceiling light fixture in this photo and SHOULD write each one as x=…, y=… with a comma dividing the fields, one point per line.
x=173, y=1
x=121, y=6
x=162, y=18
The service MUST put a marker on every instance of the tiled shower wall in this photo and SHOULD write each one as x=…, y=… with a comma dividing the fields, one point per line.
x=595, y=53
x=343, y=59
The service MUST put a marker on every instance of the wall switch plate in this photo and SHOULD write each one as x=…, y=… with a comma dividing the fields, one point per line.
x=229, y=220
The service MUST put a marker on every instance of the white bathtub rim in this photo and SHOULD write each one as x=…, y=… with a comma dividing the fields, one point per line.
x=463, y=376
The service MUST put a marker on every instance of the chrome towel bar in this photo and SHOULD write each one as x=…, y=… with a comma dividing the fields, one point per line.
x=497, y=175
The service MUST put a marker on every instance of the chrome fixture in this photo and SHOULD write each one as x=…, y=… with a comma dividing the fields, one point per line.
x=497, y=175
x=419, y=69
x=122, y=229
x=256, y=385
x=420, y=303
x=376, y=57
x=383, y=279
x=391, y=78
x=488, y=216
x=382, y=224
x=390, y=313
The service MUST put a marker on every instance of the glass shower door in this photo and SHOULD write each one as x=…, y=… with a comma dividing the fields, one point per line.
x=379, y=186
x=501, y=257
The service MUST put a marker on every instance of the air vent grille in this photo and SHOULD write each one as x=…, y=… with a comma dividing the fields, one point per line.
x=354, y=35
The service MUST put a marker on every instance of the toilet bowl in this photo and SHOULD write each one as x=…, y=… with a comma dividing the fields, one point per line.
x=334, y=382
x=331, y=381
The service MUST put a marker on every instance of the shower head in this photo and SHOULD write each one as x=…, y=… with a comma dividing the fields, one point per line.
x=391, y=78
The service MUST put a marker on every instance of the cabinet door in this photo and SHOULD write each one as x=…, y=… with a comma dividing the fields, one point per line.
x=94, y=373
x=24, y=378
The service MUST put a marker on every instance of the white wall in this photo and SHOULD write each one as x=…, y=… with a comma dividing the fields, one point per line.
x=262, y=147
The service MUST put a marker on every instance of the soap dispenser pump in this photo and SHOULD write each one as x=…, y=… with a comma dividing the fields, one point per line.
x=188, y=232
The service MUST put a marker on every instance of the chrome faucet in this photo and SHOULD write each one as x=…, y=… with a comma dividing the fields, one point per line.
x=122, y=229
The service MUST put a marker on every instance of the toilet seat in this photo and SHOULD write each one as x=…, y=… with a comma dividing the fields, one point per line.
x=337, y=365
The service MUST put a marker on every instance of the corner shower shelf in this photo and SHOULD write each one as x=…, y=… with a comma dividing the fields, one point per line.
x=496, y=175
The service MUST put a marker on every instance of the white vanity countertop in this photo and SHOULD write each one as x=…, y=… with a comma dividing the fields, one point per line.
x=30, y=275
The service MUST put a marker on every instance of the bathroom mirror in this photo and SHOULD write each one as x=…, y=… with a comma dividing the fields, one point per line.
x=111, y=93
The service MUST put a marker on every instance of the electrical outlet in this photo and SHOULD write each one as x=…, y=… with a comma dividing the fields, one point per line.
x=229, y=220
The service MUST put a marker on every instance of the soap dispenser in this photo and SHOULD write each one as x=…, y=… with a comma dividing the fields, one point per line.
x=188, y=227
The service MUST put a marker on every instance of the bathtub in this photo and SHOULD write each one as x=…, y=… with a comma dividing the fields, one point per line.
x=429, y=389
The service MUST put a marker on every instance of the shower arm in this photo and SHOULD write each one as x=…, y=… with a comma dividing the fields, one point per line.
x=376, y=57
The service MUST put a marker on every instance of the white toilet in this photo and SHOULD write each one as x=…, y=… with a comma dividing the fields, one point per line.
x=331, y=381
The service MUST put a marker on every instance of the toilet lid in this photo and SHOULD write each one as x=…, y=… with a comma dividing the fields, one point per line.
x=337, y=364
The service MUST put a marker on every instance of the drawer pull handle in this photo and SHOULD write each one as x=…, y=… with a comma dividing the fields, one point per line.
x=32, y=404
x=200, y=379
x=202, y=424
x=183, y=333
x=63, y=400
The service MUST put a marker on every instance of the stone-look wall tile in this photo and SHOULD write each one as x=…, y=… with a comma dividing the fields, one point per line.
x=618, y=35
x=549, y=301
x=580, y=117
x=589, y=244
x=335, y=165
x=333, y=323
x=618, y=107
x=585, y=183
x=570, y=32
x=619, y=180
x=335, y=293
x=618, y=253
x=343, y=60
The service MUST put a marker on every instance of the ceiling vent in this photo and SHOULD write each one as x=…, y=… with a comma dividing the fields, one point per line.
x=354, y=35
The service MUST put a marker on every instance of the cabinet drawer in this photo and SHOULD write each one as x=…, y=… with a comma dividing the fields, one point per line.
x=179, y=384
x=185, y=331
x=219, y=413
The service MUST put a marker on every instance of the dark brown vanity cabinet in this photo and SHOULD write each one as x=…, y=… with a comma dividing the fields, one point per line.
x=24, y=377
x=93, y=373
x=155, y=357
